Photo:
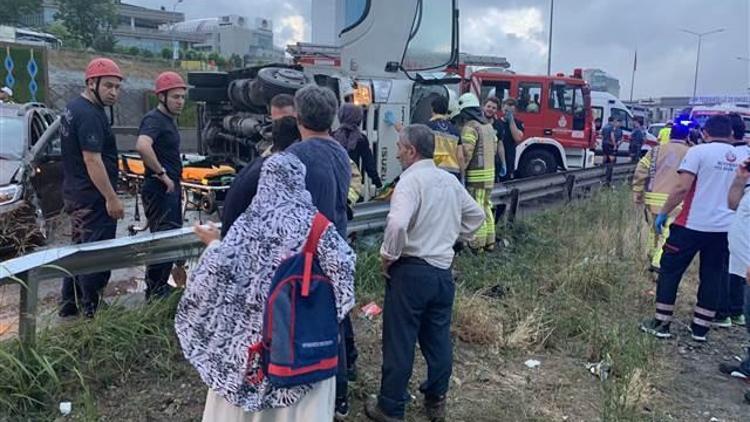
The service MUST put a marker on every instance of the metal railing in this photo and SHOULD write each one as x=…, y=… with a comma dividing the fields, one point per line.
x=182, y=244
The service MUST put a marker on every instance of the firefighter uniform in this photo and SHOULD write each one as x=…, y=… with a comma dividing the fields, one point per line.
x=480, y=147
x=447, y=144
x=655, y=177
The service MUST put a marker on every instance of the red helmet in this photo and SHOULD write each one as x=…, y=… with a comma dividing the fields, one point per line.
x=169, y=80
x=101, y=67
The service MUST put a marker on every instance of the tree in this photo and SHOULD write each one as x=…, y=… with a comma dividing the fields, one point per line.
x=147, y=53
x=133, y=51
x=105, y=42
x=166, y=53
x=60, y=31
x=11, y=11
x=235, y=61
x=87, y=20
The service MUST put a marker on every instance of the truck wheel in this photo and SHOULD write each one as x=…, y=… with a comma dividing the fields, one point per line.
x=208, y=79
x=280, y=80
x=209, y=95
x=536, y=163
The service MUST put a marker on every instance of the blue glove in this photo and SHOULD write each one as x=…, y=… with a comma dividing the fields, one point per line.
x=503, y=171
x=660, y=222
x=390, y=118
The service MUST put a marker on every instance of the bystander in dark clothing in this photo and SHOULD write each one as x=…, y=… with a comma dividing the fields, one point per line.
x=85, y=127
x=350, y=136
x=245, y=185
x=637, y=137
x=502, y=127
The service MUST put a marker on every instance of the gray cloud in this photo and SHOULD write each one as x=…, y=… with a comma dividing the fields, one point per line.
x=587, y=33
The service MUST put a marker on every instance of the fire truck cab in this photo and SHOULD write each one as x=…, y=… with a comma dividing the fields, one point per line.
x=556, y=112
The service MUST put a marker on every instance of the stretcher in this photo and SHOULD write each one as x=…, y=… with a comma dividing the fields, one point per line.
x=204, y=183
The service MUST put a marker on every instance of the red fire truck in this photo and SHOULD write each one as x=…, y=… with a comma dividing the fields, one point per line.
x=556, y=111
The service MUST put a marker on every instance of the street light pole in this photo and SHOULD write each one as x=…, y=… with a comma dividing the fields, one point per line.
x=700, y=36
x=549, y=43
x=175, y=49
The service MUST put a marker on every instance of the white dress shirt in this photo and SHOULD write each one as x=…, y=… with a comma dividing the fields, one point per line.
x=430, y=210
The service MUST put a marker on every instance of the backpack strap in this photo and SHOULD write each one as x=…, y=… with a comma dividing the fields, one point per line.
x=319, y=225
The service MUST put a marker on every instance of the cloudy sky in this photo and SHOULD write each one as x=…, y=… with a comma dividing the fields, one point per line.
x=587, y=33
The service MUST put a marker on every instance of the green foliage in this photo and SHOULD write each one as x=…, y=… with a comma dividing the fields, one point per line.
x=11, y=11
x=166, y=53
x=133, y=51
x=59, y=30
x=87, y=20
x=146, y=53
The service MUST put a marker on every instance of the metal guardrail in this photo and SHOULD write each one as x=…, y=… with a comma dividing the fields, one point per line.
x=181, y=244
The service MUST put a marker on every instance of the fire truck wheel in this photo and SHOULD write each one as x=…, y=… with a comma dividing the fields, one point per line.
x=536, y=163
x=209, y=95
x=280, y=80
x=208, y=79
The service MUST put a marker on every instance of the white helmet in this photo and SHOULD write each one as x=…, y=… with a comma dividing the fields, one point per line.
x=467, y=100
x=453, y=108
x=7, y=91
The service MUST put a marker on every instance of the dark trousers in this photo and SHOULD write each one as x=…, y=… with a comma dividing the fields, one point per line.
x=732, y=297
x=679, y=250
x=418, y=306
x=746, y=309
x=89, y=223
x=164, y=212
x=347, y=357
x=609, y=161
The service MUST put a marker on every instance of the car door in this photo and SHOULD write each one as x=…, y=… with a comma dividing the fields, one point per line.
x=46, y=163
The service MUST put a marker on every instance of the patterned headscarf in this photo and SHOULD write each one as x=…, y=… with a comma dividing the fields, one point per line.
x=221, y=312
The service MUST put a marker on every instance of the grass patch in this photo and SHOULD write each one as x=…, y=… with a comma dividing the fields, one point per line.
x=70, y=362
x=567, y=283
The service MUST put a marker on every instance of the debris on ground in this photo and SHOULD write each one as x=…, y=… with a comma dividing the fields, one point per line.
x=601, y=369
x=532, y=363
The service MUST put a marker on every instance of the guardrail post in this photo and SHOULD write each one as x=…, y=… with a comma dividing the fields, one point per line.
x=513, y=207
x=570, y=182
x=28, y=306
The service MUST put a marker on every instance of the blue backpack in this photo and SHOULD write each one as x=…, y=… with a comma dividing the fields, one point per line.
x=300, y=328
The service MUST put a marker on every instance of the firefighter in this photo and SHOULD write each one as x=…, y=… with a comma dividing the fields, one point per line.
x=655, y=177
x=449, y=154
x=159, y=146
x=89, y=152
x=480, y=147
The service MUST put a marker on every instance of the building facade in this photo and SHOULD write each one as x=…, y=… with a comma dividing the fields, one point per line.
x=234, y=35
x=600, y=80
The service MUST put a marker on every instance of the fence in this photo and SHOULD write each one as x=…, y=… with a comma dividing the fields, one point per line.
x=182, y=244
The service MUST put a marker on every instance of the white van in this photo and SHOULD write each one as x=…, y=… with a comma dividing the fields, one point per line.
x=604, y=105
x=702, y=113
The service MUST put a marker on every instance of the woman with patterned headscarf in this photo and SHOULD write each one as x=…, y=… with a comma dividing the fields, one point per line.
x=221, y=311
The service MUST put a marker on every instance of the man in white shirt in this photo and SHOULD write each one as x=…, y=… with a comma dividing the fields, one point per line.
x=739, y=256
x=706, y=174
x=430, y=210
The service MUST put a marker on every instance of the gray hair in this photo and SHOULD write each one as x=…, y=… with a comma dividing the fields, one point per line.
x=316, y=107
x=421, y=138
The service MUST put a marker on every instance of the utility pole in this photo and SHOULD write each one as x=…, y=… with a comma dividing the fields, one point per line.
x=632, y=78
x=700, y=36
x=549, y=44
x=175, y=45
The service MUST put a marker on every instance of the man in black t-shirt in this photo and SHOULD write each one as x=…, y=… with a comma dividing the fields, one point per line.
x=509, y=131
x=159, y=145
x=89, y=152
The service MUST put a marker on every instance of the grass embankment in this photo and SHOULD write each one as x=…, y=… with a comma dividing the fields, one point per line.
x=567, y=284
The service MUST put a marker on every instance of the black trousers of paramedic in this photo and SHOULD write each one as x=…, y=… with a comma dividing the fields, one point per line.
x=89, y=223
x=164, y=212
x=418, y=307
x=679, y=250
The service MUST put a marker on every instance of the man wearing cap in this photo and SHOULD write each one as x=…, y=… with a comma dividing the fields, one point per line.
x=159, y=145
x=5, y=95
x=90, y=172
